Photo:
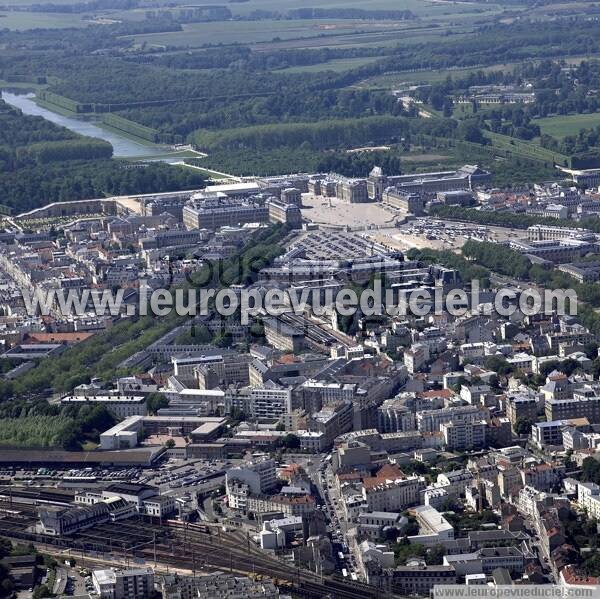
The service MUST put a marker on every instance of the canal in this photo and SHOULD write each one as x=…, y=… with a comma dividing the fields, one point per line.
x=123, y=147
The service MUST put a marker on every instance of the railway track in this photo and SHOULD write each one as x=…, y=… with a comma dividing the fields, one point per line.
x=191, y=547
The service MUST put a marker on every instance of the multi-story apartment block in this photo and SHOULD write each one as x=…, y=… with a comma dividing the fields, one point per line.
x=588, y=497
x=576, y=407
x=519, y=407
x=228, y=586
x=544, y=434
x=420, y=580
x=429, y=421
x=134, y=583
x=282, y=335
x=259, y=477
x=543, y=476
x=333, y=420
x=454, y=482
x=416, y=357
x=289, y=505
x=391, y=495
x=270, y=401
x=464, y=435
x=393, y=415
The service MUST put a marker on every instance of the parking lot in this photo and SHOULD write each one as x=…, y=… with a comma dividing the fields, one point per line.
x=437, y=234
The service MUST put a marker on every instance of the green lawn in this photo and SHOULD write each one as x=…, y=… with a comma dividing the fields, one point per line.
x=526, y=149
x=561, y=126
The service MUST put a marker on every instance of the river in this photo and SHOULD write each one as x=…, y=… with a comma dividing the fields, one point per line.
x=123, y=147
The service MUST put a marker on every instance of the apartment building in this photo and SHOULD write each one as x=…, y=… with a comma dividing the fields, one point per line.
x=459, y=436
x=133, y=583
x=416, y=357
x=419, y=579
x=576, y=407
x=520, y=407
x=386, y=495
x=270, y=401
x=209, y=586
x=588, y=497
x=429, y=421
x=289, y=505
x=333, y=420
x=543, y=477
x=544, y=434
x=211, y=372
x=260, y=476
x=316, y=394
x=454, y=482
x=393, y=416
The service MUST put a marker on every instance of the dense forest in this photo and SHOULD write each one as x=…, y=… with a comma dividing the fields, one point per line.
x=187, y=94
x=232, y=101
x=297, y=102
x=242, y=58
x=326, y=134
x=39, y=424
x=29, y=187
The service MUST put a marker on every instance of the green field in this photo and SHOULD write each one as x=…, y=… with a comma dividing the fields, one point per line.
x=21, y=21
x=561, y=126
x=195, y=35
x=525, y=149
x=338, y=65
x=394, y=80
x=419, y=7
x=21, y=85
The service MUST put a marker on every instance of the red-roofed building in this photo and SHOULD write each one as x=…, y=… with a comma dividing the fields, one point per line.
x=571, y=577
